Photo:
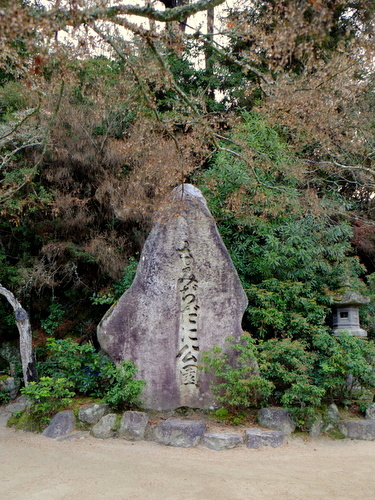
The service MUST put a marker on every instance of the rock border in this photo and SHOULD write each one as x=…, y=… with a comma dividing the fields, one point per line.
x=97, y=421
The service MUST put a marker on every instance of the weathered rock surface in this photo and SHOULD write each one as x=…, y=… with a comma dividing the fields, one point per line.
x=370, y=412
x=91, y=414
x=358, y=429
x=333, y=414
x=18, y=405
x=106, y=427
x=12, y=385
x=60, y=425
x=74, y=436
x=316, y=427
x=4, y=417
x=185, y=299
x=133, y=425
x=256, y=438
x=221, y=440
x=10, y=352
x=277, y=419
x=175, y=432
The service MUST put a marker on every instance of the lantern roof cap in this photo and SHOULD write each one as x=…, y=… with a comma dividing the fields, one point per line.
x=350, y=298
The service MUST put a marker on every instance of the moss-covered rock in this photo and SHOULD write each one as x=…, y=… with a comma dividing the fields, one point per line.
x=24, y=421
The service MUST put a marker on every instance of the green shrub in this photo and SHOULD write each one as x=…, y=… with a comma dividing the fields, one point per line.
x=91, y=373
x=80, y=364
x=297, y=375
x=48, y=396
x=4, y=397
x=288, y=255
x=238, y=381
x=12, y=98
x=290, y=367
x=345, y=367
x=54, y=318
x=123, y=389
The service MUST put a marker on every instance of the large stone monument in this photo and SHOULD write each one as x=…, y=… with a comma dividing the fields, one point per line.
x=186, y=298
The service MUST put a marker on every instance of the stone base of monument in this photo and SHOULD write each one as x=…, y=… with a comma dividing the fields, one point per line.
x=370, y=412
x=256, y=438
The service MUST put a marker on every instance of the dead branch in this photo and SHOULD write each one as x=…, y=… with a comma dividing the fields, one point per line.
x=23, y=324
x=76, y=17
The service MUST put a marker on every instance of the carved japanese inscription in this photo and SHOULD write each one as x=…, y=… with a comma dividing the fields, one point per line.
x=187, y=357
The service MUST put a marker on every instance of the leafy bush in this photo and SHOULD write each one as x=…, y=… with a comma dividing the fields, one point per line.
x=239, y=383
x=54, y=318
x=288, y=251
x=12, y=98
x=284, y=309
x=292, y=373
x=4, y=397
x=345, y=367
x=289, y=365
x=48, y=396
x=123, y=389
x=91, y=373
x=80, y=364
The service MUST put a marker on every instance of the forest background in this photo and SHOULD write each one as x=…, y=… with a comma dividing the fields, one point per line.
x=268, y=110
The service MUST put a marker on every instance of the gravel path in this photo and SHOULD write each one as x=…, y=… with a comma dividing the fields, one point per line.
x=36, y=467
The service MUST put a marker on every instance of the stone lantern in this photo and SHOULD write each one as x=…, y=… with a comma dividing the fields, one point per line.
x=346, y=313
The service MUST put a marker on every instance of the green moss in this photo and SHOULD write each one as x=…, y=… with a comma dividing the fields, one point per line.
x=334, y=433
x=118, y=422
x=82, y=426
x=24, y=421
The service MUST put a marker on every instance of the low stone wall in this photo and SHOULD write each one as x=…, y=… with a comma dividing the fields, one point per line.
x=97, y=421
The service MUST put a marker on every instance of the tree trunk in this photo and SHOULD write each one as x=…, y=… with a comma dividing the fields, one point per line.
x=208, y=50
x=151, y=22
x=24, y=328
x=210, y=32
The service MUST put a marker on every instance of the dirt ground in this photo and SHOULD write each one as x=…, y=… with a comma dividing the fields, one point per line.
x=36, y=467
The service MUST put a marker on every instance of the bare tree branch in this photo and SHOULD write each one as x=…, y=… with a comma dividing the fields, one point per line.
x=78, y=17
x=34, y=170
x=219, y=49
x=20, y=123
x=23, y=324
x=345, y=167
